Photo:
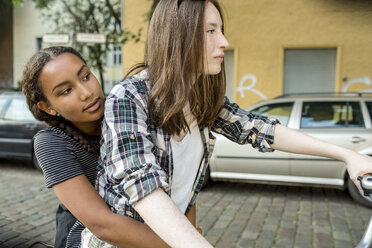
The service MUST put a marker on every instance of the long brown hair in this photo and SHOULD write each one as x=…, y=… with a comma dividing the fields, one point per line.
x=175, y=59
x=31, y=88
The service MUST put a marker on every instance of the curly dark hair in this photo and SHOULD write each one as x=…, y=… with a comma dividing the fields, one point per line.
x=31, y=88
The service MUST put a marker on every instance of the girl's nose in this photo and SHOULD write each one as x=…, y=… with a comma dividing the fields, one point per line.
x=223, y=42
x=85, y=92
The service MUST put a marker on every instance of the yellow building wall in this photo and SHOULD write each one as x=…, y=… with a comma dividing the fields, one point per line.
x=260, y=31
x=27, y=25
x=134, y=18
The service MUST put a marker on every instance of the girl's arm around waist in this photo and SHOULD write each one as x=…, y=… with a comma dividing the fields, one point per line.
x=84, y=202
x=164, y=217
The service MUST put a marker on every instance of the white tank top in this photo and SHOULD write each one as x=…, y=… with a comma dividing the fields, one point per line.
x=187, y=155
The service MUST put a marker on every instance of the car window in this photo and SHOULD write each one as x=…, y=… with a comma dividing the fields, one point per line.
x=18, y=110
x=280, y=111
x=331, y=114
x=369, y=107
x=3, y=101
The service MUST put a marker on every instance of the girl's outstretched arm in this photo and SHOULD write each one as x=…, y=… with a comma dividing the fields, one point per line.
x=288, y=140
x=84, y=202
x=164, y=217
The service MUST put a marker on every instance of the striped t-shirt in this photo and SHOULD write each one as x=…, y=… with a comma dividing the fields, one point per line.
x=62, y=158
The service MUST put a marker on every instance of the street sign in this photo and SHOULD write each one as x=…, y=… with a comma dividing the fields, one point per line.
x=55, y=38
x=90, y=38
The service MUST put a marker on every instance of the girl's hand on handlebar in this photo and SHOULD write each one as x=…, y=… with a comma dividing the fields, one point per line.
x=359, y=165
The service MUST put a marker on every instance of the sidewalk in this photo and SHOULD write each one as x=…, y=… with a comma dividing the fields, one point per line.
x=231, y=214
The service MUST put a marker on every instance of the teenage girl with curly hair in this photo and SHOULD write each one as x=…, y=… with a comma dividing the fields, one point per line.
x=61, y=91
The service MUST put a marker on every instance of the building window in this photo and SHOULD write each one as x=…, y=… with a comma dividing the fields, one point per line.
x=114, y=56
x=38, y=43
x=107, y=86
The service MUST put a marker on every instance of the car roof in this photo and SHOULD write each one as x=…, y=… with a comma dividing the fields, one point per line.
x=353, y=96
x=328, y=96
x=11, y=94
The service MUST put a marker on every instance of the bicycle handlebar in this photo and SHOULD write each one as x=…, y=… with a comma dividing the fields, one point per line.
x=366, y=184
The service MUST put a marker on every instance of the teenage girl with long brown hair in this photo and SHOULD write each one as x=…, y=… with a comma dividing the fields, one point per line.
x=61, y=91
x=157, y=125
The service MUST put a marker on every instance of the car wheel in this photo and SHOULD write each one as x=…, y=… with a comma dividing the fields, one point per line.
x=207, y=177
x=355, y=194
x=35, y=163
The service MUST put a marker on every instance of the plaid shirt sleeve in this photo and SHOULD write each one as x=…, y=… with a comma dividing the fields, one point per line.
x=243, y=127
x=129, y=152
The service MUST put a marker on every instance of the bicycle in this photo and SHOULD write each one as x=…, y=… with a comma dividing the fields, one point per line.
x=366, y=184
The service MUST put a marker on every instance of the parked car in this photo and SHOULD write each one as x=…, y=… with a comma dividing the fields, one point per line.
x=17, y=128
x=344, y=120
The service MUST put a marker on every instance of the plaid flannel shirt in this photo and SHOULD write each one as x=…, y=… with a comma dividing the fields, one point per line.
x=136, y=155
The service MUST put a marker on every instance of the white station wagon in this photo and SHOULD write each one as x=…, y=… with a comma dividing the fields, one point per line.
x=344, y=120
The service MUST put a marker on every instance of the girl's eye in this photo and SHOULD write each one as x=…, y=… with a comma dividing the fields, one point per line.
x=211, y=31
x=86, y=77
x=66, y=91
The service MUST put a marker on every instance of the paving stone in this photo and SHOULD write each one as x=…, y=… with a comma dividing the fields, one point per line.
x=343, y=244
x=342, y=236
x=303, y=240
x=24, y=227
x=357, y=234
x=212, y=239
x=321, y=239
x=37, y=239
x=284, y=243
x=250, y=235
x=288, y=223
x=16, y=242
x=264, y=243
x=235, y=228
x=302, y=245
x=270, y=227
x=5, y=236
x=286, y=233
x=4, y=222
x=322, y=229
x=226, y=241
x=246, y=243
x=216, y=231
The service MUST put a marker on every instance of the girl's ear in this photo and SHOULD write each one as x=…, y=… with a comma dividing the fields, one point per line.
x=46, y=108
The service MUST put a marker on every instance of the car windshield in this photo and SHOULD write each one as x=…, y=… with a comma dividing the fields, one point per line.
x=280, y=111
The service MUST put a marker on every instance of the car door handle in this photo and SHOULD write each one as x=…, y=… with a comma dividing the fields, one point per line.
x=357, y=139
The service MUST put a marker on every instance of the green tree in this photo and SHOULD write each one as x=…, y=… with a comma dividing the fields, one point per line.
x=88, y=16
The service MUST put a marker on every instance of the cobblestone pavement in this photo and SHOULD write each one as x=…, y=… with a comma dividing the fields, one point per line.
x=231, y=214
